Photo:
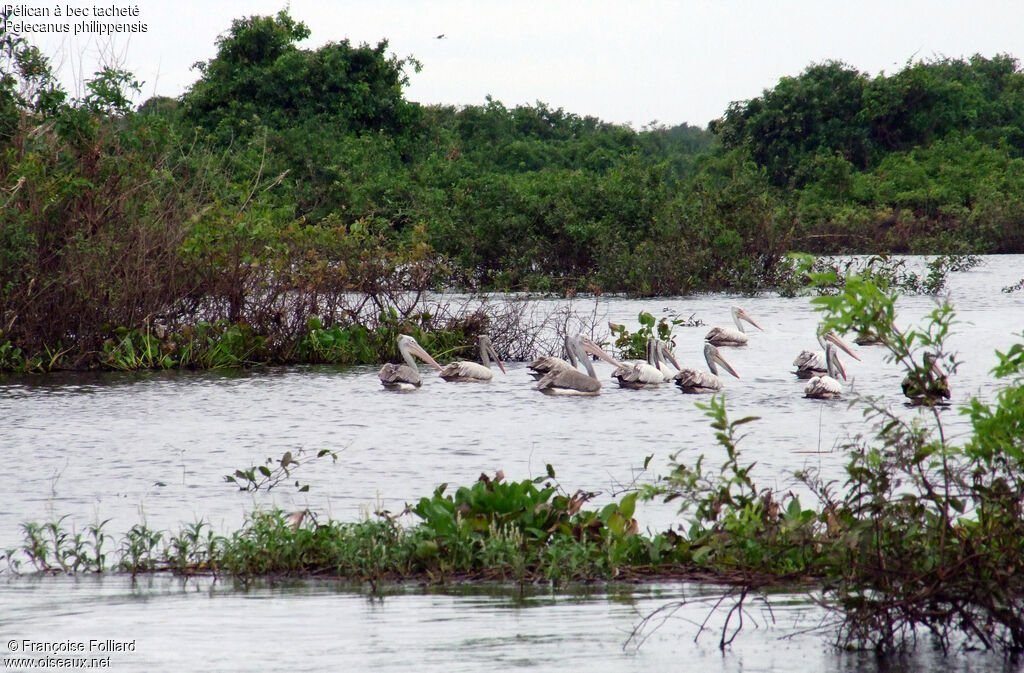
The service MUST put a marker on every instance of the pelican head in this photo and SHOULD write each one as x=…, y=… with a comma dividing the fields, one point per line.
x=832, y=337
x=713, y=357
x=408, y=347
x=483, y=342
x=738, y=315
x=590, y=347
x=663, y=352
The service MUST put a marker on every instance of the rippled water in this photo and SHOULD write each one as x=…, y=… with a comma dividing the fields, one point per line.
x=154, y=447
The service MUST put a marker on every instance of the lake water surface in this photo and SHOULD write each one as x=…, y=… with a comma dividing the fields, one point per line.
x=154, y=448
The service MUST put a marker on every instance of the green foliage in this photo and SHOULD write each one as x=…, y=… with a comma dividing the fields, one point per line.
x=260, y=78
x=633, y=345
x=292, y=185
x=734, y=525
x=274, y=471
x=927, y=533
x=50, y=547
x=533, y=520
x=828, y=276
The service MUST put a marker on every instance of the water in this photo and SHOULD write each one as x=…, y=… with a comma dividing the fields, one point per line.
x=154, y=448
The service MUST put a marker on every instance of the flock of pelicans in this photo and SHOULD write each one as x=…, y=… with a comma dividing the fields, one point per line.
x=556, y=376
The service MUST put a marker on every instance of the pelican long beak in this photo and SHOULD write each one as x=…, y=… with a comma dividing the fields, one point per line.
x=834, y=338
x=840, y=367
x=667, y=353
x=593, y=349
x=742, y=315
x=717, y=357
x=490, y=351
x=418, y=351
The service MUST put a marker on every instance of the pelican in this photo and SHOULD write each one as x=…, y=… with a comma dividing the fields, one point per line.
x=650, y=373
x=571, y=381
x=699, y=381
x=548, y=363
x=474, y=372
x=827, y=387
x=727, y=336
x=929, y=387
x=813, y=363
x=405, y=377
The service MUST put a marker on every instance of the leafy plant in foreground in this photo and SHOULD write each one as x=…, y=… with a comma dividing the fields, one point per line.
x=929, y=534
x=734, y=524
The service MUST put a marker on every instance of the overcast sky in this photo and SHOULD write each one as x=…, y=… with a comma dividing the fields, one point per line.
x=626, y=62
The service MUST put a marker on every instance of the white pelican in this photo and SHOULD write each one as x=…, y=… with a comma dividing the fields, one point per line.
x=812, y=363
x=650, y=373
x=571, y=381
x=827, y=387
x=727, y=336
x=929, y=387
x=474, y=372
x=699, y=381
x=405, y=376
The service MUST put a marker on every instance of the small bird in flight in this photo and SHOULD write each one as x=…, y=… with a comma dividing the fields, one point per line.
x=440, y=37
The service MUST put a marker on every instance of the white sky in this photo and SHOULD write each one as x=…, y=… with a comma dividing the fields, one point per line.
x=622, y=61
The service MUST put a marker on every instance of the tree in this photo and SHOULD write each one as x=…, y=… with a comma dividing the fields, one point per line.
x=259, y=77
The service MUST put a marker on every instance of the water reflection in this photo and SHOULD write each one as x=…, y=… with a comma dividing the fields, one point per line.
x=314, y=626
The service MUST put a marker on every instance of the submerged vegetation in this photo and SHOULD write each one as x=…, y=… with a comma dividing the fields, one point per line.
x=293, y=206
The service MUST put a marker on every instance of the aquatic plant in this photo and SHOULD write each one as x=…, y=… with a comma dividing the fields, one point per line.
x=50, y=547
x=734, y=525
x=633, y=345
x=139, y=550
x=928, y=533
x=274, y=471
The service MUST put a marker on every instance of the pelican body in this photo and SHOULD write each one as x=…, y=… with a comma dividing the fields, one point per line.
x=698, y=381
x=813, y=363
x=569, y=380
x=927, y=389
x=647, y=374
x=548, y=363
x=727, y=336
x=474, y=372
x=827, y=386
x=406, y=376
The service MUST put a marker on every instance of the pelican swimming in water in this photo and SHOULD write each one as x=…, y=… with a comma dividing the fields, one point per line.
x=571, y=381
x=474, y=372
x=699, y=381
x=548, y=363
x=827, y=386
x=405, y=376
x=727, y=336
x=929, y=387
x=650, y=373
x=812, y=363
